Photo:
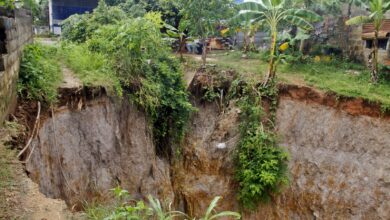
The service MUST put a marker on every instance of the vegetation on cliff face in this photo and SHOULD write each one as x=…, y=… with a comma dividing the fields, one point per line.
x=134, y=54
x=125, y=208
x=119, y=48
x=261, y=164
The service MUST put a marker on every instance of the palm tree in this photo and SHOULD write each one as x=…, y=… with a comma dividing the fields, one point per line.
x=377, y=9
x=273, y=13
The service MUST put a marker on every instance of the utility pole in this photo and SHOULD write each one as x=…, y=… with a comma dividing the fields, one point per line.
x=51, y=26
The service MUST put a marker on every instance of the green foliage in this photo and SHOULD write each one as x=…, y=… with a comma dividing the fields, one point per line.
x=40, y=74
x=210, y=212
x=274, y=14
x=377, y=9
x=93, y=69
x=137, y=8
x=147, y=71
x=210, y=95
x=78, y=28
x=75, y=28
x=7, y=4
x=41, y=13
x=344, y=78
x=125, y=208
x=205, y=15
x=261, y=168
x=339, y=76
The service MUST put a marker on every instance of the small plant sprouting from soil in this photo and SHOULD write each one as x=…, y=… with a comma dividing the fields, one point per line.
x=126, y=208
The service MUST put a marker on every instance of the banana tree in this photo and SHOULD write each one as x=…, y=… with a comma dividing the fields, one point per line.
x=179, y=34
x=378, y=9
x=274, y=13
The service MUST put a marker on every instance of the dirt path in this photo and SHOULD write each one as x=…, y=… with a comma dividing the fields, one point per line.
x=36, y=206
x=20, y=197
x=70, y=80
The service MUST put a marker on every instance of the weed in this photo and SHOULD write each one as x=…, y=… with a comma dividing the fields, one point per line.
x=93, y=69
x=40, y=74
x=125, y=208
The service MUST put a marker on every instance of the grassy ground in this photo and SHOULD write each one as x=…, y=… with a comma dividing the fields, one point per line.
x=40, y=74
x=347, y=79
x=92, y=69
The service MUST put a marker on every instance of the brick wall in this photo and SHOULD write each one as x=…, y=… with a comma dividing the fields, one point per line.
x=15, y=31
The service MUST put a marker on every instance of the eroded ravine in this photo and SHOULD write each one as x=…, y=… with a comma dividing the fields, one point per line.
x=339, y=156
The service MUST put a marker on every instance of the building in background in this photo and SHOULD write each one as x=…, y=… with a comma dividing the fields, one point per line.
x=60, y=10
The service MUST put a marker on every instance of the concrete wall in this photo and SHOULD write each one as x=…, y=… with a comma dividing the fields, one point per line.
x=15, y=32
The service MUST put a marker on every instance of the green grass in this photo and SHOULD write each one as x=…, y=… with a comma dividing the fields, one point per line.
x=233, y=60
x=93, y=69
x=327, y=76
x=334, y=77
x=40, y=74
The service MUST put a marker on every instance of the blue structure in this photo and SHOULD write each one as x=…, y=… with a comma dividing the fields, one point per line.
x=61, y=9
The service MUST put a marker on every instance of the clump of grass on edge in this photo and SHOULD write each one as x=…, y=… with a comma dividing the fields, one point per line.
x=346, y=80
x=40, y=74
x=342, y=77
x=92, y=68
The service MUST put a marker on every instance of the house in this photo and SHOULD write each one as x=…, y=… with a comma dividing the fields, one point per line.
x=383, y=41
x=60, y=10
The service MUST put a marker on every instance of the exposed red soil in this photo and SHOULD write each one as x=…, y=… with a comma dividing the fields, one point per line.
x=350, y=105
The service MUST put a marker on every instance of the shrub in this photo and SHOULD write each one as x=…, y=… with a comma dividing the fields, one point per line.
x=79, y=28
x=149, y=73
x=75, y=28
x=40, y=74
x=261, y=165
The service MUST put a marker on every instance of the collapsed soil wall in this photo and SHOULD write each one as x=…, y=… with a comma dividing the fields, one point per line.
x=339, y=157
x=80, y=154
x=339, y=150
x=339, y=164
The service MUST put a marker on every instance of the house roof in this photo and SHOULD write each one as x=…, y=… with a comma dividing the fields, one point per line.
x=369, y=30
x=371, y=35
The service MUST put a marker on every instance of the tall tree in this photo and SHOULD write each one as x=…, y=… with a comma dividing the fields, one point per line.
x=274, y=13
x=7, y=3
x=204, y=16
x=378, y=9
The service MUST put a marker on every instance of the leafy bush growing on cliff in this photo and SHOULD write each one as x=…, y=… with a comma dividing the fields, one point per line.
x=261, y=168
x=40, y=74
x=149, y=74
